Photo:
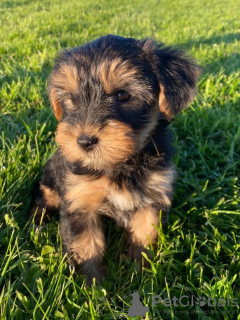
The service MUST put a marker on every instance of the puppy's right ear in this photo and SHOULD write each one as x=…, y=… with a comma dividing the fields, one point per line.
x=56, y=103
x=59, y=82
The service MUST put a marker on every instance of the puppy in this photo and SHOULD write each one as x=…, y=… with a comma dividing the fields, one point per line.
x=114, y=98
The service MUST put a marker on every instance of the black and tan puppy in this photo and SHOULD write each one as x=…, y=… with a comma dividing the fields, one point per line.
x=113, y=98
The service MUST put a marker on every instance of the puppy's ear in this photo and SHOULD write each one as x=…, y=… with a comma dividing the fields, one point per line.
x=177, y=75
x=55, y=102
x=59, y=82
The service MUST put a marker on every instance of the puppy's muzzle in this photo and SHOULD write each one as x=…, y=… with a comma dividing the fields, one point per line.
x=86, y=142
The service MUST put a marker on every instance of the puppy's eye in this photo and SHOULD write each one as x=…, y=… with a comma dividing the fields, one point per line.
x=123, y=96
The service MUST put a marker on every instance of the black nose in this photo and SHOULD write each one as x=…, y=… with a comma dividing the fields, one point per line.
x=86, y=142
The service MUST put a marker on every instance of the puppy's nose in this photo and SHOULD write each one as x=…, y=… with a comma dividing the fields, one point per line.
x=86, y=142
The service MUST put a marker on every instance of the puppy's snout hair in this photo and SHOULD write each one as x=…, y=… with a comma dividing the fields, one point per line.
x=113, y=98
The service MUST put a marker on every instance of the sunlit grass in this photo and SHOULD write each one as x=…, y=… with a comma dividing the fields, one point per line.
x=199, y=252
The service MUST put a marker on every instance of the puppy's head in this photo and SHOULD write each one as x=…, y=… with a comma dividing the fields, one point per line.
x=107, y=96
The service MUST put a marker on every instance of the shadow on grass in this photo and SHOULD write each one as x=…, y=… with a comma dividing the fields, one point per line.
x=21, y=105
x=215, y=39
x=26, y=118
x=20, y=73
x=228, y=62
x=14, y=4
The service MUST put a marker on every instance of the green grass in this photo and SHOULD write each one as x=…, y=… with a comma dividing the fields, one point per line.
x=199, y=252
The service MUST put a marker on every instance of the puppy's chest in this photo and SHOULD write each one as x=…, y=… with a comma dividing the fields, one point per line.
x=102, y=195
x=84, y=194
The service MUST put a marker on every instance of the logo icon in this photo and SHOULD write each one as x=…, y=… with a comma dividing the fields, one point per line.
x=137, y=308
x=201, y=301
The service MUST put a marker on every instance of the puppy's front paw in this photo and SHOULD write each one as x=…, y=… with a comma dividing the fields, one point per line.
x=89, y=268
x=135, y=254
x=92, y=271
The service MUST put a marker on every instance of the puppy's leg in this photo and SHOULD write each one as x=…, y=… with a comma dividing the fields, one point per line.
x=83, y=237
x=45, y=197
x=140, y=230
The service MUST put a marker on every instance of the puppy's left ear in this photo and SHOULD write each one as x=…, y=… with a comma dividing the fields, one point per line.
x=177, y=75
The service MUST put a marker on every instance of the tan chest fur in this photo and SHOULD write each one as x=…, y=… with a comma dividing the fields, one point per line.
x=86, y=194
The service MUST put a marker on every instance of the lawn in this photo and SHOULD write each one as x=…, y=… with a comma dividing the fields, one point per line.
x=198, y=253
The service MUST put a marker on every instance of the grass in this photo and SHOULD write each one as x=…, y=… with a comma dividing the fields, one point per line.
x=199, y=252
